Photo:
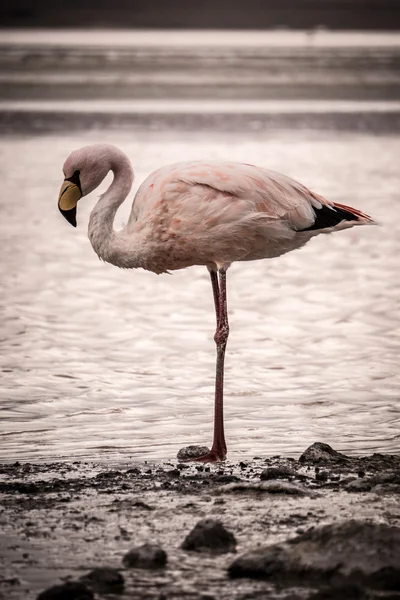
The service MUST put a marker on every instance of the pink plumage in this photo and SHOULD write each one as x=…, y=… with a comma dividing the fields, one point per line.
x=199, y=213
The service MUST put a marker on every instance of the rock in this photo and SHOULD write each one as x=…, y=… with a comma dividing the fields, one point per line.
x=322, y=453
x=265, y=487
x=322, y=476
x=358, y=485
x=386, y=488
x=148, y=556
x=192, y=452
x=341, y=592
x=353, y=552
x=104, y=579
x=173, y=473
x=388, y=477
x=210, y=536
x=276, y=473
x=72, y=590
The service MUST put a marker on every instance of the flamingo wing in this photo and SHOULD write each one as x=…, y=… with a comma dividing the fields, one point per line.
x=224, y=212
x=266, y=194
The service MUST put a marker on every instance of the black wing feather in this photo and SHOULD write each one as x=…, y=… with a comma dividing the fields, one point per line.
x=329, y=217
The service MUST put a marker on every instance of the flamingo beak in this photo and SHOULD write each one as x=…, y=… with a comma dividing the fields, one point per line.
x=68, y=199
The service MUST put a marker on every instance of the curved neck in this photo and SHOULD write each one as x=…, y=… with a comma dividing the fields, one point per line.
x=104, y=240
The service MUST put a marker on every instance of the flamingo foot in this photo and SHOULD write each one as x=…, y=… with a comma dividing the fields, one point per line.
x=212, y=456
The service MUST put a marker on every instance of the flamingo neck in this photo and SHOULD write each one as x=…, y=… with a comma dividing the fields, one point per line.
x=109, y=245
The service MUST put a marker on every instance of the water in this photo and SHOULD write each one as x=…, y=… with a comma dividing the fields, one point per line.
x=100, y=363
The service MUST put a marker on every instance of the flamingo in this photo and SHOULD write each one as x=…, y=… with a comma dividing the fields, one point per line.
x=198, y=213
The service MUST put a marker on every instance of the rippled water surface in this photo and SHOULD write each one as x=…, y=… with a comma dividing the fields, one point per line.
x=98, y=362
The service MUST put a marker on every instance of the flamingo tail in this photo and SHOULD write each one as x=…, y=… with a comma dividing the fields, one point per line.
x=330, y=216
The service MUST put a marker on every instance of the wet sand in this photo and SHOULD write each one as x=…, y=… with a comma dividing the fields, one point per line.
x=61, y=520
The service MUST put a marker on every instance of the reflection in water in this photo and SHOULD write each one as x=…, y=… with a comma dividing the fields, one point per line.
x=101, y=362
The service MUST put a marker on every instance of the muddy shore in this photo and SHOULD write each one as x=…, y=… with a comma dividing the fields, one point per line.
x=59, y=521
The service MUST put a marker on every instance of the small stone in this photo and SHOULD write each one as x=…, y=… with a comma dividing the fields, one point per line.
x=276, y=473
x=192, y=452
x=72, y=590
x=148, y=556
x=133, y=471
x=322, y=476
x=322, y=453
x=104, y=579
x=210, y=536
x=173, y=473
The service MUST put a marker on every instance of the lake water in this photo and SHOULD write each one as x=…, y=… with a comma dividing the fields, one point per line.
x=99, y=363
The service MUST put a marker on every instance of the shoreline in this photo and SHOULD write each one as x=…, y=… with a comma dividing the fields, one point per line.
x=60, y=520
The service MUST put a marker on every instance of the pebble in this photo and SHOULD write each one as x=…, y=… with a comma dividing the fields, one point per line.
x=147, y=556
x=210, y=535
x=72, y=590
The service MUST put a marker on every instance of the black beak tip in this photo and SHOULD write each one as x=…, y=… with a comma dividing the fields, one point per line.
x=69, y=215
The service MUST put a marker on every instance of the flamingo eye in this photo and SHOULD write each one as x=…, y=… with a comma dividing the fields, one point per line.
x=75, y=179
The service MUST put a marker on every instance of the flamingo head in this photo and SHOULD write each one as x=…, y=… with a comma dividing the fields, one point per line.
x=84, y=170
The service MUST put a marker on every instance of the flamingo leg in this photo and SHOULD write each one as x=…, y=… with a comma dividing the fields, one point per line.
x=218, y=450
x=215, y=287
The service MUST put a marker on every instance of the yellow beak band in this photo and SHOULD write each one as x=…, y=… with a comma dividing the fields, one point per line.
x=68, y=199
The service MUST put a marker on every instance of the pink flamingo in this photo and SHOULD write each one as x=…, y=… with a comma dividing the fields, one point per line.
x=199, y=213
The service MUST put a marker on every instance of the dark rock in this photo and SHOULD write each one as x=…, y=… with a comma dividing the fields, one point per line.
x=388, y=477
x=148, y=556
x=210, y=536
x=341, y=592
x=386, y=488
x=380, y=462
x=322, y=476
x=359, y=485
x=225, y=478
x=13, y=581
x=141, y=504
x=72, y=590
x=192, y=452
x=353, y=552
x=104, y=579
x=108, y=475
x=276, y=473
x=322, y=453
x=173, y=473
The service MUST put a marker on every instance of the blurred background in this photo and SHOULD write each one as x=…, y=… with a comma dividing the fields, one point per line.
x=98, y=363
